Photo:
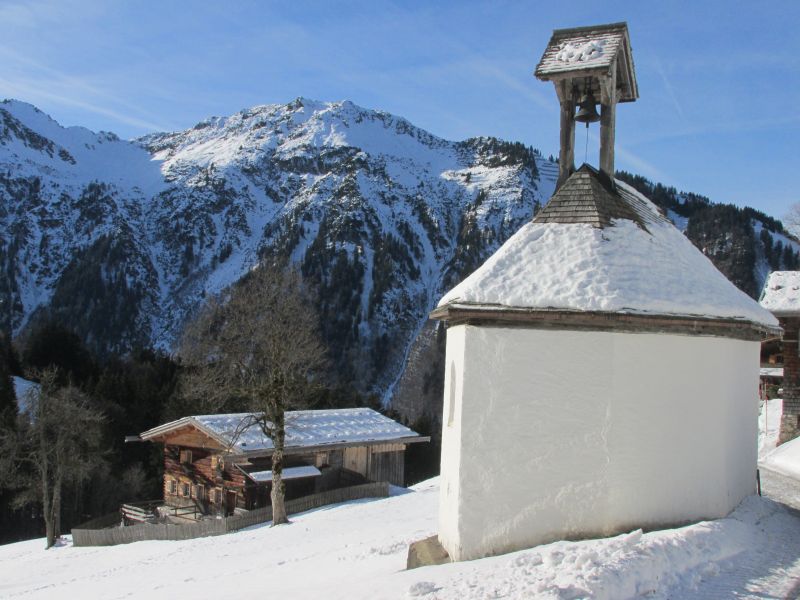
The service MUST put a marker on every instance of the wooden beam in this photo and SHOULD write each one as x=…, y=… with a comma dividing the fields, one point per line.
x=608, y=111
x=601, y=321
x=566, y=154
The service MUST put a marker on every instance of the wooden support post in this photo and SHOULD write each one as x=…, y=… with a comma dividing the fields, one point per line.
x=608, y=117
x=566, y=155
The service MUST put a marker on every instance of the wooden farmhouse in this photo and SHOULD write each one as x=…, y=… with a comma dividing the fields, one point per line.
x=209, y=465
x=781, y=296
x=601, y=374
x=771, y=381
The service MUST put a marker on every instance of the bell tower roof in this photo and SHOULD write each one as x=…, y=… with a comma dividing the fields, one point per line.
x=589, y=65
x=589, y=52
x=590, y=196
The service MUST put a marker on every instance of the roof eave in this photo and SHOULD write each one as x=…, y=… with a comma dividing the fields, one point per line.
x=166, y=428
x=629, y=322
x=587, y=28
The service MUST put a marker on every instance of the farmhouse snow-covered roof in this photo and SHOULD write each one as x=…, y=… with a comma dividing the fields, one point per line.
x=781, y=294
x=607, y=252
x=591, y=50
x=304, y=429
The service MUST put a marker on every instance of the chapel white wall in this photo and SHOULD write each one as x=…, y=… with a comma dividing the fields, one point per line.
x=450, y=488
x=564, y=434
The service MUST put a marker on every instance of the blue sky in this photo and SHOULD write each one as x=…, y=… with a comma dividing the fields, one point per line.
x=719, y=112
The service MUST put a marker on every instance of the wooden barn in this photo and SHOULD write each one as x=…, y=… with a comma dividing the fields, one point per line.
x=216, y=469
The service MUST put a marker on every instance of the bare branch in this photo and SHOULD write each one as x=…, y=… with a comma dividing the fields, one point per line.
x=256, y=347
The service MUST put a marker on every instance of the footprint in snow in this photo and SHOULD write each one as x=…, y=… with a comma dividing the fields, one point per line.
x=422, y=588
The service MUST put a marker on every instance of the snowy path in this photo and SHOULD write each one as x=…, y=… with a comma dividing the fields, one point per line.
x=769, y=567
x=780, y=488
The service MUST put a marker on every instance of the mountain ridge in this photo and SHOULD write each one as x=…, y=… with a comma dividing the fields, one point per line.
x=122, y=240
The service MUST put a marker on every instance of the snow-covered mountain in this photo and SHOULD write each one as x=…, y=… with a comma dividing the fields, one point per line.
x=123, y=240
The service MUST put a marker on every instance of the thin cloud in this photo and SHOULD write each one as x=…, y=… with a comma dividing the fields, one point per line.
x=476, y=61
x=30, y=14
x=723, y=128
x=670, y=90
x=31, y=92
x=633, y=159
x=488, y=68
x=637, y=162
x=69, y=91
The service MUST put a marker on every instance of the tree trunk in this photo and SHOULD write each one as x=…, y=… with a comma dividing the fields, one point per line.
x=47, y=491
x=49, y=528
x=278, y=507
x=57, y=507
x=47, y=509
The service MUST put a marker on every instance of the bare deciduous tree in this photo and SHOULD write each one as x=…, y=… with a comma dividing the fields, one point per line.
x=256, y=346
x=55, y=444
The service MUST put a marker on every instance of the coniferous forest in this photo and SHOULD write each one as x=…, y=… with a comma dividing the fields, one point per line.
x=129, y=394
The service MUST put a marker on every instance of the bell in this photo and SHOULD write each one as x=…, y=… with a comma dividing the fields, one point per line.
x=587, y=113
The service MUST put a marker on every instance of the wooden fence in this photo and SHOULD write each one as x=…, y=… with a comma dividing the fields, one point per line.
x=92, y=533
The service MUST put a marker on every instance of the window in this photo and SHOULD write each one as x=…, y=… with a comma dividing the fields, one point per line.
x=186, y=456
x=217, y=496
x=173, y=487
x=186, y=488
x=199, y=493
x=218, y=463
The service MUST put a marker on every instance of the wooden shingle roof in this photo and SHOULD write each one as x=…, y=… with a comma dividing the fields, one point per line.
x=590, y=51
x=590, y=196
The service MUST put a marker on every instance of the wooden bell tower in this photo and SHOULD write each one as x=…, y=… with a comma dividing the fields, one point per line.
x=588, y=64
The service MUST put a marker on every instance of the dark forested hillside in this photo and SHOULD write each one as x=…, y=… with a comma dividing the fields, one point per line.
x=743, y=243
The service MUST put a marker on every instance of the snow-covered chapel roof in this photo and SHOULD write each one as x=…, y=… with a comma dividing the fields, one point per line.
x=600, y=248
x=781, y=294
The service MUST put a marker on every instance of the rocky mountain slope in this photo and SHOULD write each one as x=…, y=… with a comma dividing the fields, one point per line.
x=122, y=240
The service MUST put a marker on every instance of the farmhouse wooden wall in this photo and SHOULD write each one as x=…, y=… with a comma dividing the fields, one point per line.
x=201, y=471
x=383, y=462
x=339, y=467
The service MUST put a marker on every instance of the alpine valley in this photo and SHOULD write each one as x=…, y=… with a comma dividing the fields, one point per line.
x=122, y=240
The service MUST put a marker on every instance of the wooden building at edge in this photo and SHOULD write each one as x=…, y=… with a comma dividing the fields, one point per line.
x=211, y=465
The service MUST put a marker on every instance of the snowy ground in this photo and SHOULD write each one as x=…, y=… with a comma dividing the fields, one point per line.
x=358, y=550
x=769, y=424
